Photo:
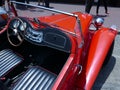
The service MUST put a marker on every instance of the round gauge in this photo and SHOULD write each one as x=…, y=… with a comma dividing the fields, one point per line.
x=16, y=23
x=23, y=26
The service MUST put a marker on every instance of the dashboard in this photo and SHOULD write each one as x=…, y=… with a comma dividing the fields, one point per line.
x=47, y=36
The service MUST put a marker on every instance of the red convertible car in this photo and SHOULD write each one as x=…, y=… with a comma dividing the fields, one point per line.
x=53, y=52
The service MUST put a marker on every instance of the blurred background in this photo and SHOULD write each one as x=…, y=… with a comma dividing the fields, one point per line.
x=112, y=3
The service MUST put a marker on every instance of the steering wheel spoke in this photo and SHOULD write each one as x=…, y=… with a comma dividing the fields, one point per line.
x=19, y=38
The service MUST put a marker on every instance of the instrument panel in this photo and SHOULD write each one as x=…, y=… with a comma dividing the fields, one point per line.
x=35, y=36
x=47, y=36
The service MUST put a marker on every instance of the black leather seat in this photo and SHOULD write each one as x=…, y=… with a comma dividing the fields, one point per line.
x=8, y=61
x=35, y=78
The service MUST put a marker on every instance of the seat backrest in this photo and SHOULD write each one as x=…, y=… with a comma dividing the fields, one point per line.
x=35, y=78
x=8, y=61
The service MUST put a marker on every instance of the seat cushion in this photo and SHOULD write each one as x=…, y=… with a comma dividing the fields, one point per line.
x=8, y=61
x=35, y=78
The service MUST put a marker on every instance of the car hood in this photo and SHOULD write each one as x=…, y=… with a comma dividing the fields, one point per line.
x=67, y=22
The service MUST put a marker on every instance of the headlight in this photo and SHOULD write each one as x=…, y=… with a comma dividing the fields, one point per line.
x=98, y=22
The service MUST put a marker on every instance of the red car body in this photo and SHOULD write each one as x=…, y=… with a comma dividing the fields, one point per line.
x=91, y=56
x=88, y=52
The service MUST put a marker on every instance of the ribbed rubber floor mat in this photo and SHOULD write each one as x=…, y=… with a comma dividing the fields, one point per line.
x=36, y=78
x=8, y=60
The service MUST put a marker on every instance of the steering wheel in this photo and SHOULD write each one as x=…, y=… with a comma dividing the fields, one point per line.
x=14, y=35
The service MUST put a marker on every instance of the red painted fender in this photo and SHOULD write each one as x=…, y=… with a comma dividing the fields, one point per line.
x=99, y=48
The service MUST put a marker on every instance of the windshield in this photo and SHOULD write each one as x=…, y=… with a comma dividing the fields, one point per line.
x=33, y=10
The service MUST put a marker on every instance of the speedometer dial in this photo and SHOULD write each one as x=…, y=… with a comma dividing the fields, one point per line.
x=16, y=23
x=23, y=26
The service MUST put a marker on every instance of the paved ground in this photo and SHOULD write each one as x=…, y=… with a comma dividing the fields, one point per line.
x=109, y=76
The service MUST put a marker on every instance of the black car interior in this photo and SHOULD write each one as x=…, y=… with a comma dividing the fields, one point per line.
x=32, y=58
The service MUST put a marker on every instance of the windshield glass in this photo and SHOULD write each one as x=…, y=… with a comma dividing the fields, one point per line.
x=33, y=10
x=30, y=11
